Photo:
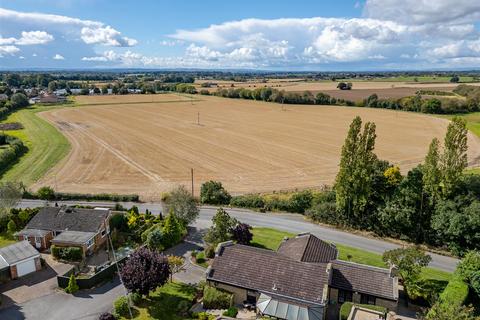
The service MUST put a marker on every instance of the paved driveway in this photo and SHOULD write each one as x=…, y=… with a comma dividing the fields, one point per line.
x=34, y=285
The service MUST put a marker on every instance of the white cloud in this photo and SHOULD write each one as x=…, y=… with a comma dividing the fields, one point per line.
x=106, y=36
x=21, y=57
x=58, y=57
x=91, y=32
x=34, y=37
x=34, y=54
x=8, y=50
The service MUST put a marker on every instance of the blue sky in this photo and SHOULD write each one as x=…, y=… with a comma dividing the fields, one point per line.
x=270, y=35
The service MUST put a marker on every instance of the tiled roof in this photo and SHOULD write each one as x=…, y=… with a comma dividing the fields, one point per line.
x=17, y=252
x=267, y=271
x=308, y=248
x=66, y=218
x=364, y=279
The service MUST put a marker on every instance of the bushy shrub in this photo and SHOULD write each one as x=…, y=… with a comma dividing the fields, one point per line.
x=213, y=192
x=46, y=193
x=107, y=316
x=155, y=239
x=200, y=257
x=216, y=299
x=119, y=221
x=301, y=201
x=121, y=307
x=210, y=252
x=248, y=201
x=72, y=286
x=231, y=312
x=67, y=253
x=135, y=298
x=11, y=226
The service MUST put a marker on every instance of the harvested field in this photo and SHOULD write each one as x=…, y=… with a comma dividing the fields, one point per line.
x=250, y=146
x=130, y=98
x=361, y=89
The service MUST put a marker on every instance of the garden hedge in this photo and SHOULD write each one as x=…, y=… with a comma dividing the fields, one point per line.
x=67, y=253
x=216, y=299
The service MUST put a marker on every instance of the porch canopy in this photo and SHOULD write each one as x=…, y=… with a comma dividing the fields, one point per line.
x=287, y=309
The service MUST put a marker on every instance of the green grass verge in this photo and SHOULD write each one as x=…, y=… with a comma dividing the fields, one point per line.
x=171, y=302
x=269, y=238
x=46, y=145
x=473, y=121
x=6, y=239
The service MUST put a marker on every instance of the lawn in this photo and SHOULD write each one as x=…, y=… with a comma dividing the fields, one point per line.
x=270, y=239
x=171, y=301
x=5, y=240
x=46, y=145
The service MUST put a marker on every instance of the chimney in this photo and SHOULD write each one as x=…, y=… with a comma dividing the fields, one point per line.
x=221, y=245
x=393, y=271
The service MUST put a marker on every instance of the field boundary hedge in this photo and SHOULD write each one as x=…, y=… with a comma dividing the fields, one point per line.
x=12, y=153
x=59, y=196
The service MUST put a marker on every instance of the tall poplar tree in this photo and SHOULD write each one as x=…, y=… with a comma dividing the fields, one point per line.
x=431, y=171
x=454, y=159
x=353, y=184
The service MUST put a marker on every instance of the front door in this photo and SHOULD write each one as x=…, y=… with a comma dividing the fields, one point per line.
x=38, y=242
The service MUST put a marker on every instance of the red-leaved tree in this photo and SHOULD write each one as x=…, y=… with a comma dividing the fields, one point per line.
x=144, y=271
x=241, y=233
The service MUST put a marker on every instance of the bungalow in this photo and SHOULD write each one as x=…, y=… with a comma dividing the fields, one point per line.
x=18, y=259
x=301, y=280
x=68, y=227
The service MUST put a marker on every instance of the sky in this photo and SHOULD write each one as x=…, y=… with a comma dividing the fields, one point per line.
x=346, y=35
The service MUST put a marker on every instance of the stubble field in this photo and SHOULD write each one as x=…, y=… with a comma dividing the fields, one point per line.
x=148, y=144
x=360, y=89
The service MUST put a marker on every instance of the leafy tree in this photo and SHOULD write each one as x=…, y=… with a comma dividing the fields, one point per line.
x=455, y=79
x=172, y=230
x=241, y=233
x=220, y=231
x=10, y=195
x=456, y=222
x=301, y=201
x=144, y=271
x=213, y=192
x=121, y=307
x=183, y=205
x=18, y=100
x=119, y=222
x=409, y=262
x=72, y=286
x=46, y=193
x=155, y=240
x=469, y=265
x=176, y=264
x=393, y=176
x=475, y=283
x=104, y=90
x=52, y=86
x=431, y=106
x=407, y=212
x=11, y=226
x=454, y=159
x=353, y=184
x=431, y=171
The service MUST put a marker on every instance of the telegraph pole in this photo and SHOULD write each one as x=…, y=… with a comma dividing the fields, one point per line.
x=191, y=171
x=198, y=118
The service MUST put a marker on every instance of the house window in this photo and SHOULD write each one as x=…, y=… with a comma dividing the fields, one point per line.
x=367, y=299
x=344, y=296
x=104, y=232
x=89, y=243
